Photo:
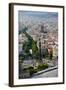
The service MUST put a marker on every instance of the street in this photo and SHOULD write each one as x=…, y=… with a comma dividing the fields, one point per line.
x=52, y=73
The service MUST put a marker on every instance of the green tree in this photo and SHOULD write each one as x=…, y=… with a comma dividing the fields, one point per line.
x=26, y=47
x=35, y=49
x=30, y=44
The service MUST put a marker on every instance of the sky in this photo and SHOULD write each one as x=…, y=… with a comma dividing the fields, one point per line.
x=38, y=14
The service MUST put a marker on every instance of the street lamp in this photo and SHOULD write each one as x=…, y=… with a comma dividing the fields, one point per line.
x=30, y=51
x=31, y=55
